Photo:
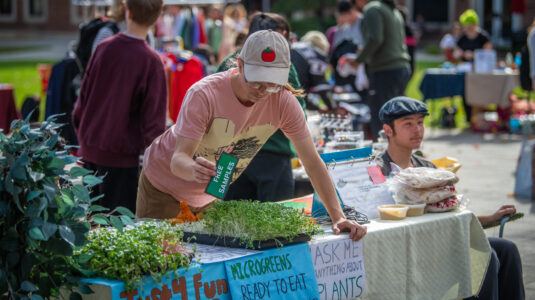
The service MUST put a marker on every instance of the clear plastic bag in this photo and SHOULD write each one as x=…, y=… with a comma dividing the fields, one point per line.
x=425, y=177
x=446, y=205
x=408, y=194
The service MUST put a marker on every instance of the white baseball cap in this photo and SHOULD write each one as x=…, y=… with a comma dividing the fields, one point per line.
x=266, y=57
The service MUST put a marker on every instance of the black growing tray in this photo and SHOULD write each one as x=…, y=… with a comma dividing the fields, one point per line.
x=233, y=242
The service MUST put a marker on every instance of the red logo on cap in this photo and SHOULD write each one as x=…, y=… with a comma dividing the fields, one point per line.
x=268, y=55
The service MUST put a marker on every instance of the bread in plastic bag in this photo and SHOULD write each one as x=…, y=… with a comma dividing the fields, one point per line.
x=427, y=195
x=444, y=205
x=426, y=177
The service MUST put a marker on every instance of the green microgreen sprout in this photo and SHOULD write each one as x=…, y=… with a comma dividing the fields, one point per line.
x=149, y=248
x=250, y=221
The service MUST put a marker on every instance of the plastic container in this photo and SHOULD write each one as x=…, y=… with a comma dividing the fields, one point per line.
x=393, y=211
x=415, y=209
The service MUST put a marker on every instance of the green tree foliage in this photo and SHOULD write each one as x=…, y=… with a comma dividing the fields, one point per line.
x=321, y=18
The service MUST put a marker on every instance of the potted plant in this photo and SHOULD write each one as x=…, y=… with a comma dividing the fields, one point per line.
x=46, y=212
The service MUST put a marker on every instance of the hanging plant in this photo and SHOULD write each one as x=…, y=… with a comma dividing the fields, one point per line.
x=44, y=214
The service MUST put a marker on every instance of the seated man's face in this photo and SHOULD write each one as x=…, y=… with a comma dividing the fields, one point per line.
x=408, y=132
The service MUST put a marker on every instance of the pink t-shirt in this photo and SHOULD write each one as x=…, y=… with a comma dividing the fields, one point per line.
x=213, y=115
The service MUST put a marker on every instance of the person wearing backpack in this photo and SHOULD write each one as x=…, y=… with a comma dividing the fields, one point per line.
x=115, y=24
x=121, y=107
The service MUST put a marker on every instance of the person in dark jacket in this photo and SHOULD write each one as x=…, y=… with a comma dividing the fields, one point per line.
x=385, y=55
x=121, y=107
x=310, y=59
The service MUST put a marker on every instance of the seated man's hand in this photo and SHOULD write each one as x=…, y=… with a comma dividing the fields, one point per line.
x=504, y=210
x=356, y=231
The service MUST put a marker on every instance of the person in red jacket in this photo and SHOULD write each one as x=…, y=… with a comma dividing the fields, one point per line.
x=121, y=107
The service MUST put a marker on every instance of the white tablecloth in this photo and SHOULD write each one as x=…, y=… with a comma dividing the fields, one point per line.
x=434, y=256
x=492, y=88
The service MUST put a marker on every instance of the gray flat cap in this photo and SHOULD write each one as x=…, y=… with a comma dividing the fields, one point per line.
x=399, y=107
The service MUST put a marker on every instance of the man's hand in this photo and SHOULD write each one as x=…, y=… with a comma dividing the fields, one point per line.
x=203, y=170
x=356, y=231
x=497, y=215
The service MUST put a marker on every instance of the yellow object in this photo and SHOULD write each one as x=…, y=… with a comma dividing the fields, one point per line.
x=393, y=212
x=296, y=163
x=469, y=17
x=448, y=163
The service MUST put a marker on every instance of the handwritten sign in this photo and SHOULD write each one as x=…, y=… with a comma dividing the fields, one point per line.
x=484, y=60
x=198, y=282
x=220, y=183
x=339, y=267
x=280, y=273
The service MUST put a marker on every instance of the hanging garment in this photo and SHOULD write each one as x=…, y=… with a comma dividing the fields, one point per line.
x=53, y=93
x=184, y=73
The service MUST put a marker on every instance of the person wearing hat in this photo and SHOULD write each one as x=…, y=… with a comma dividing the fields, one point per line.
x=269, y=176
x=403, y=124
x=234, y=112
x=473, y=37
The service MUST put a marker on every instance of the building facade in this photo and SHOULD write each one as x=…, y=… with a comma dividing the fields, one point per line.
x=47, y=15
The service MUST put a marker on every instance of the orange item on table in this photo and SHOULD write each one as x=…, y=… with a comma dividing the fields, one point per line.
x=185, y=215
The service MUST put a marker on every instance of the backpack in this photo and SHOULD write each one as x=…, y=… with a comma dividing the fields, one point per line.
x=88, y=32
x=30, y=106
x=525, y=78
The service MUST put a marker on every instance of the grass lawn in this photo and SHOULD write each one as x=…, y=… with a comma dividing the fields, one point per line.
x=24, y=77
x=435, y=106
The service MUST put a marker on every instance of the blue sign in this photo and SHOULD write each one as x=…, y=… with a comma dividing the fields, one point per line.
x=279, y=273
x=207, y=281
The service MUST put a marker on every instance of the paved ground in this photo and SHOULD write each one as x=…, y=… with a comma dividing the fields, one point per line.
x=39, y=46
x=487, y=177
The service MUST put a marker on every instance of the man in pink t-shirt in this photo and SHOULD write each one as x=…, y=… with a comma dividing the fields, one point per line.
x=233, y=112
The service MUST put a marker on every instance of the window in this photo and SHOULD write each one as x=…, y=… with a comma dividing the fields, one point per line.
x=431, y=11
x=35, y=11
x=8, y=10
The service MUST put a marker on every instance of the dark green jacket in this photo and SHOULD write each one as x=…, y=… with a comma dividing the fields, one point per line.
x=383, y=30
x=278, y=142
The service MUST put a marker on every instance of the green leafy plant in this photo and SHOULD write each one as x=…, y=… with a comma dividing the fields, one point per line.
x=45, y=213
x=252, y=221
x=150, y=248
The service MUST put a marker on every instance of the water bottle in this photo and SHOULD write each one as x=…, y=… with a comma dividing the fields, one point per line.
x=508, y=59
x=518, y=59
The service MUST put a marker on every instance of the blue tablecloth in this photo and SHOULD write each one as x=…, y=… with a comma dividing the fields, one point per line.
x=440, y=83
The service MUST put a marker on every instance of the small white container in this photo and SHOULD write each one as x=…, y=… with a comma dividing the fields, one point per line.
x=393, y=211
x=415, y=209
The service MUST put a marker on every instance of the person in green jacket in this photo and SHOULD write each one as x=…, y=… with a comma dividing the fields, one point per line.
x=384, y=53
x=269, y=175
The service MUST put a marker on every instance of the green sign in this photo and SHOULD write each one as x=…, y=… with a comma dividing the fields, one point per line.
x=218, y=185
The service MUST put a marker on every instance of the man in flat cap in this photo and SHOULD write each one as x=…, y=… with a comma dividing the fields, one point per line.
x=403, y=123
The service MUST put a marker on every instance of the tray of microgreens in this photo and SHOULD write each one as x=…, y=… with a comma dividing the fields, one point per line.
x=149, y=247
x=250, y=224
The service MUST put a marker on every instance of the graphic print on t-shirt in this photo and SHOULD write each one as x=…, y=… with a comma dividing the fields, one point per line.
x=220, y=138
